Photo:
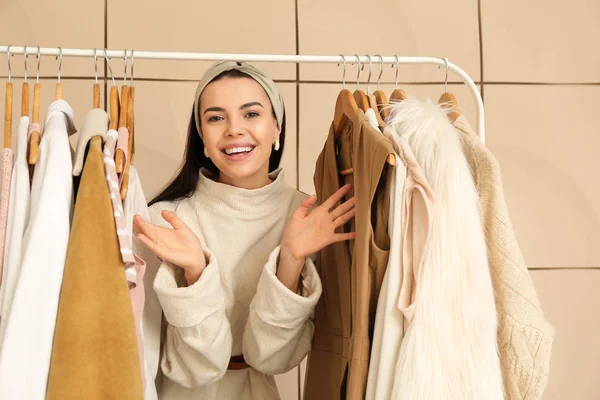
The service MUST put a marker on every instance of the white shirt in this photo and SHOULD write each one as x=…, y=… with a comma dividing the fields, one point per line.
x=389, y=328
x=27, y=347
x=18, y=215
x=135, y=203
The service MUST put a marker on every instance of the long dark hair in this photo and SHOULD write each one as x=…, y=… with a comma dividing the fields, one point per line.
x=184, y=183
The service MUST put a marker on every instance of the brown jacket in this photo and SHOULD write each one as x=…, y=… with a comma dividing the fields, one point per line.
x=524, y=336
x=351, y=272
x=95, y=353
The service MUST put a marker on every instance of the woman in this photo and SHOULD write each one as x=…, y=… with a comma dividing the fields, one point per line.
x=236, y=285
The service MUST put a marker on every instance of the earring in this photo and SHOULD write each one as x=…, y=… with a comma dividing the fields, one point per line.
x=206, y=153
x=276, y=145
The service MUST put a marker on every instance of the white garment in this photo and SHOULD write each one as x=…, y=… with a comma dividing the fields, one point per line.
x=18, y=215
x=372, y=118
x=27, y=347
x=389, y=319
x=238, y=305
x=135, y=203
x=450, y=349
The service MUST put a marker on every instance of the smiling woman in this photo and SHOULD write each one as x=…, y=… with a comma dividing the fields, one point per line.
x=239, y=129
x=197, y=156
x=237, y=285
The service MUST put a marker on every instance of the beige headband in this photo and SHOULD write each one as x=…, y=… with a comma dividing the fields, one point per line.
x=256, y=74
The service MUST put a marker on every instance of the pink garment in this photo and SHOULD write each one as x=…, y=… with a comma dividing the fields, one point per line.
x=7, y=164
x=34, y=127
x=135, y=266
x=123, y=144
x=138, y=299
x=115, y=197
x=417, y=211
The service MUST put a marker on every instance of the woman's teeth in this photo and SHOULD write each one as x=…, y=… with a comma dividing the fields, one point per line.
x=237, y=150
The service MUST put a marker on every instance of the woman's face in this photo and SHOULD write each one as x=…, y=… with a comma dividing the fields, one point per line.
x=238, y=130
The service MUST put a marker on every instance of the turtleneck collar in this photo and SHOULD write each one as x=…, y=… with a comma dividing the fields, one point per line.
x=235, y=201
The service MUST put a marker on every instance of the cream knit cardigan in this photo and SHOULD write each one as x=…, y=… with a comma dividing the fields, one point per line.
x=525, y=337
x=238, y=306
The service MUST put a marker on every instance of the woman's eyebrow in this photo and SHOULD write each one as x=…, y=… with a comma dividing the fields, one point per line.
x=218, y=109
x=248, y=105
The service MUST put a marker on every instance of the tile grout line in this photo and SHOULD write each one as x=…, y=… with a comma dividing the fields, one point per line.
x=298, y=368
x=480, y=27
x=105, y=46
x=297, y=124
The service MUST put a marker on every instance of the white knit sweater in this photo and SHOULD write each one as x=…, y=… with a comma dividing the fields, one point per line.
x=238, y=306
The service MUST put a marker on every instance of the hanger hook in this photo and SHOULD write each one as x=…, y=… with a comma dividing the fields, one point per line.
x=360, y=68
x=8, y=55
x=381, y=71
x=446, y=78
x=125, y=68
x=39, y=59
x=397, y=65
x=95, y=65
x=25, y=59
x=109, y=67
x=370, y=72
x=60, y=56
x=344, y=76
x=131, y=77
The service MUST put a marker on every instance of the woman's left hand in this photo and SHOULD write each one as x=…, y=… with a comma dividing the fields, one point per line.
x=308, y=231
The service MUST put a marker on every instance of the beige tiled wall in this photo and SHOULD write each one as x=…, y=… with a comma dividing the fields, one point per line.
x=535, y=61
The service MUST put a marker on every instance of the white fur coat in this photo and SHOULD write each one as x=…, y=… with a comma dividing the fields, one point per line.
x=450, y=349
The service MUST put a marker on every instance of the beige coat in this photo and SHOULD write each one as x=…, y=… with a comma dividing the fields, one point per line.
x=525, y=337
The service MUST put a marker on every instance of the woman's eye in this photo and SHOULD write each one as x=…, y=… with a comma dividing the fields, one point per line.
x=252, y=114
x=215, y=118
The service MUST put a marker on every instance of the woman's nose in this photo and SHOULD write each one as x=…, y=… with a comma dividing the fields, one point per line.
x=235, y=128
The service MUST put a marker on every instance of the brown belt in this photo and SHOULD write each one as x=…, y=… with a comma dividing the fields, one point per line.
x=237, y=362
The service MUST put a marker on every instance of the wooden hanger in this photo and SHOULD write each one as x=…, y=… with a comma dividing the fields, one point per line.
x=114, y=108
x=345, y=106
x=120, y=158
x=119, y=154
x=96, y=90
x=391, y=158
x=96, y=100
x=362, y=101
x=397, y=94
x=345, y=109
x=8, y=101
x=374, y=105
x=25, y=99
x=125, y=185
x=382, y=103
x=34, y=137
x=380, y=97
x=448, y=99
x=59, y=89
x=131, y=139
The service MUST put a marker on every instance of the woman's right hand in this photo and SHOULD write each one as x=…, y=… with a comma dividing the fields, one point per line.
x=179, y=246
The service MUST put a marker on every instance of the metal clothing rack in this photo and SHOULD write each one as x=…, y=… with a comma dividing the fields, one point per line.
x=161, y=55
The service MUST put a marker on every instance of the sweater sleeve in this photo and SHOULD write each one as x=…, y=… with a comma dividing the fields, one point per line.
x=280, y=325
x=198, y=341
